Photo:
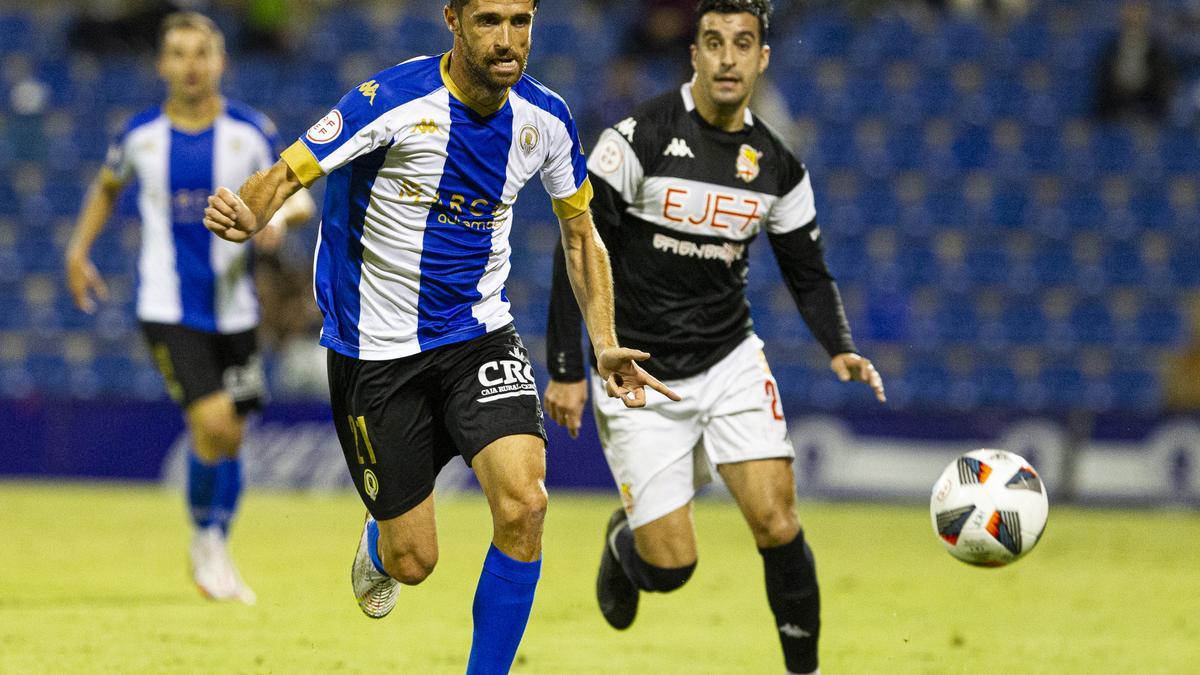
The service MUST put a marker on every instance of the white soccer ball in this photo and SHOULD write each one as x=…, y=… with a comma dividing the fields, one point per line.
x=989, y=508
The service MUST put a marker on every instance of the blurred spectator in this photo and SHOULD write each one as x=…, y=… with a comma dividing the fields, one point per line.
x=663, y=30
x=1181, y=374
x=264, y=26
x=1185, y=49
x=290, y=319
x=119, y=25
x=1001, y=8
x=1135, y=71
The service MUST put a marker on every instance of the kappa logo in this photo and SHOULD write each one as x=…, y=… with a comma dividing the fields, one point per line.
x=793, y=631
x=626, y=127
x=368, y=89
x=426, y=126
x=678, y=148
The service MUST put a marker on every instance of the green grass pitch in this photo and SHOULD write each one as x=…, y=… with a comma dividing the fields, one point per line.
x=93, y=580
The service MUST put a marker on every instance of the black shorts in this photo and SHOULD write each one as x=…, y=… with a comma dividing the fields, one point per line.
x=195, y=364
x=400, y=421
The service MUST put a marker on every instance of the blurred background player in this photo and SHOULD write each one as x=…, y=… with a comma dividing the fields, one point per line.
x=424, y=163
x=196, y=298
x=682, y=187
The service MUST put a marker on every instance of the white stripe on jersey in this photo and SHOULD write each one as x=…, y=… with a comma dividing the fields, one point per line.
x=417, y=185
x=233, y=149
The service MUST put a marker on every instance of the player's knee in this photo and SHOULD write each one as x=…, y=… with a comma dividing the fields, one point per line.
x=775, y=527
x=220, y=435
x=523, y=511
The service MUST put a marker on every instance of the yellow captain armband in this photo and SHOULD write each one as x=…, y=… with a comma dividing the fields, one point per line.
x=109, y=180
x=302, y=163
x=577, y=204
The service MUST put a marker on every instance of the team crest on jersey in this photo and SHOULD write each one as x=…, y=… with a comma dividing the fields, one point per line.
x=747, y=163
x=326, y=129
x=608, y=156
x=529, y=138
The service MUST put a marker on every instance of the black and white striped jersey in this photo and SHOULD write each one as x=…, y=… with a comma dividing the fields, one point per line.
x=677, y=203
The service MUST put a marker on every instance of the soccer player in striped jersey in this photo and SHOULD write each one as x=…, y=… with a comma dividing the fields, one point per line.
x=423, y=163
x=195, y=297
x=683, y=186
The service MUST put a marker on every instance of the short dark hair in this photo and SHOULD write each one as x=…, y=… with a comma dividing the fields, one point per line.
x=190, y=21
x=759, y=8
x=457, y=5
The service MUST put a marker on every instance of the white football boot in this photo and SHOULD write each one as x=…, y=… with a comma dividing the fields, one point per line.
x=213, y=570
x=376, y=592
x=241, y=592
x=210, y=570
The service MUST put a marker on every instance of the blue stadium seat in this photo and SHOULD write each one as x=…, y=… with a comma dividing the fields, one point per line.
x=956, y=319
x=1064, y=386
x=997, y=385
x=1135, y=390
x=1092, y=323
x=16, y=33
x=1025, y=323
x=1160, y=325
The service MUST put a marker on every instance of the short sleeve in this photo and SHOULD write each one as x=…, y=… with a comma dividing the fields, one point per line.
x=355, y=127
x=117, y=166
x=615, y=162
x=565, y=172
x=796, y=208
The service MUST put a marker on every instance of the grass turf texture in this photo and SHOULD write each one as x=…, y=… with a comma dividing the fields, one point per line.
x=93, y=579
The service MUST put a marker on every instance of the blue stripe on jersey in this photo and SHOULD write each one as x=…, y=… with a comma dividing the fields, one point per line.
x=140, y=120
x=340, y=255
x=191, y=181
x=543, y=97
x=244, y=113
x=458, y=234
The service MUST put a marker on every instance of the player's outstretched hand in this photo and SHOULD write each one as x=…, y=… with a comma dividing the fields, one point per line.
x=852, y=367
x=564, y=404
x=84, y=280
x=228, y=217
x=625, y=379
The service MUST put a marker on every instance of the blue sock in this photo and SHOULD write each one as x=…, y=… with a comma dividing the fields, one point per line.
x=201, y=490
x=373, y=545
x=503, y=600
x=229, y=489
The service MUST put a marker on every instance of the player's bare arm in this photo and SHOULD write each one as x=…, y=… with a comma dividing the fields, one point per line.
x=238, y=217
x=591, y=280
x=83, y=278
x=296, y=210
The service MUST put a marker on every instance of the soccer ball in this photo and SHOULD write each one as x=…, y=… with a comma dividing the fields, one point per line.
x=989, y=508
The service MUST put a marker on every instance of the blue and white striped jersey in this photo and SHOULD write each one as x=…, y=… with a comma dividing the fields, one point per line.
x=187, y=275
x=413, y=251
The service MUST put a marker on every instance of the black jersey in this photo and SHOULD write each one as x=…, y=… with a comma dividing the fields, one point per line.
x=677, y=203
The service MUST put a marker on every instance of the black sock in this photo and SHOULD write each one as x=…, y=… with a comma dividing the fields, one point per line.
x=644, y=575
x=795, y=600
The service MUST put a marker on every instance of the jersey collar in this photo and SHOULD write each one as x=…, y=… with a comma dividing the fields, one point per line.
x=479, y=108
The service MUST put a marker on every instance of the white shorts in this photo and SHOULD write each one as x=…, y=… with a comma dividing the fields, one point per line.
x=659, y=455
